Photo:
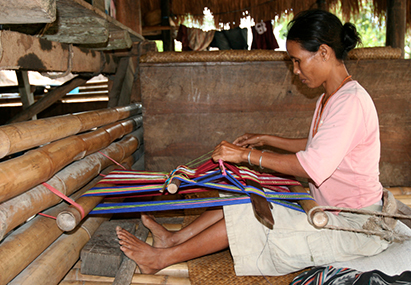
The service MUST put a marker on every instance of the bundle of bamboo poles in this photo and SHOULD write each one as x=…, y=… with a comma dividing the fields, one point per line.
x=68, y=153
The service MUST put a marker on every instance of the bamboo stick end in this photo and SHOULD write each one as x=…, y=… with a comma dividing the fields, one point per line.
x=68, y=220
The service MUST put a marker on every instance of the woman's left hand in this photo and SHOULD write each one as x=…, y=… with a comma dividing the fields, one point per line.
x=229, y=152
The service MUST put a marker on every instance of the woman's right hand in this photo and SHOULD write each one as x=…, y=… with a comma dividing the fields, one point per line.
x=249, y=140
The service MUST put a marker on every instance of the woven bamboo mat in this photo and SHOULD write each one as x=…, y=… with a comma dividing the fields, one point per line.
x=258, y=55
x=218, y=268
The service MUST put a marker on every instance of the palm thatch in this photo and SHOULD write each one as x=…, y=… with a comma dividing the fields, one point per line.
x=229, y=12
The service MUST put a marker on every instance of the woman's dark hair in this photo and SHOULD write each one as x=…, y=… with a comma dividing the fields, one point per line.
x=313, y=28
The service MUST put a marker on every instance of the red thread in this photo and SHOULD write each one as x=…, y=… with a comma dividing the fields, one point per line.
x=113, y=160
x=48, y=216
x=65, y=198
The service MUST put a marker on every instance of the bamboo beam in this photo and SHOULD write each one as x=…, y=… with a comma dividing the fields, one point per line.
x=42, y=55
x=17, y=210
x=59, y=257
x=25, y=135
x=49, y=99
x=70, y=217
x=21, y=173
x=21, y=247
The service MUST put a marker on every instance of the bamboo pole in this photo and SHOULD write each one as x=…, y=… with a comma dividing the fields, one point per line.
x=30, y=240
x=75, y=275
x=70, y=217
x=51, y=266
x=18, y=209
x=318, y=217
x=26, y=135
x=26, y=243
x=24, y=172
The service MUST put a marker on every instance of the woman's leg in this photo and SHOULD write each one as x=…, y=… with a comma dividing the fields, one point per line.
x=163, y=238
x=150, y=259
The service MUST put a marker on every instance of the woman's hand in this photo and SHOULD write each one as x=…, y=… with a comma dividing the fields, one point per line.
x=229, y=152
x=249, y=140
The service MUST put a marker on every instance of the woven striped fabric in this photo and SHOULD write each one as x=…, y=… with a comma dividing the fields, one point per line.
x=207, y=176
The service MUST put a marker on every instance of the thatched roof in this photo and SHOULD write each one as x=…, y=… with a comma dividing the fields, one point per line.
x=230, y=11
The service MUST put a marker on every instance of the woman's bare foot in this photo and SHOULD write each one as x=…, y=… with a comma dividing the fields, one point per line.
x=147, y=258
x=162, y=238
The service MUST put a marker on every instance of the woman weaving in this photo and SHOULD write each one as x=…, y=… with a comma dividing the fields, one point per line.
x=340, y=158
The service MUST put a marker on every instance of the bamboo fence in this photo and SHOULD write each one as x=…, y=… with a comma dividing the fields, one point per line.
x=68, y=153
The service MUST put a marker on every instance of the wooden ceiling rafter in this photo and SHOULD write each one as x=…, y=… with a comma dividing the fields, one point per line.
x=75, y=22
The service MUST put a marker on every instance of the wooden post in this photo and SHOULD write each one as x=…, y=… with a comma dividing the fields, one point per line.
x=128, y=12
x=26, y=96
x=120, y=92
x=168, y=43
x=396, y=24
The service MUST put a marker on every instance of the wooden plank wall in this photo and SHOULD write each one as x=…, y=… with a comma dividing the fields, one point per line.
x=191, y=107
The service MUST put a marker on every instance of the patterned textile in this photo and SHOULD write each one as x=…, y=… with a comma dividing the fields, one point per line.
x=328, y=275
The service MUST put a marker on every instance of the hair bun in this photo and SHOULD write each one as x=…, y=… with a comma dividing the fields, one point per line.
x=350, y=38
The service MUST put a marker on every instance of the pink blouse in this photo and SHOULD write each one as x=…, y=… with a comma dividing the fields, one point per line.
x=342, y=159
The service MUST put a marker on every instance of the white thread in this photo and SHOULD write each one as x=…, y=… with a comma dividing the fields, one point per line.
x=266, y=241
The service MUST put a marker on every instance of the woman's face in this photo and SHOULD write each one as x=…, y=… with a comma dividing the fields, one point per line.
x=307, y=65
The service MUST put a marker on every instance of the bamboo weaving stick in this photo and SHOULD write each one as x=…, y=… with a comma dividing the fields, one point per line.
x=318, y=217
x=26, y=135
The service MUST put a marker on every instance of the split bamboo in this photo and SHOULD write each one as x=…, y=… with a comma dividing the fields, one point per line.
x=51, y=266
x=18, y=209
x=21, y=247
x=36, y=166
x=75, y=275
x=26, y=135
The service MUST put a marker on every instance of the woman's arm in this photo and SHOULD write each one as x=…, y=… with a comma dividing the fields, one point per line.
x=283, y=163
x=254, y=140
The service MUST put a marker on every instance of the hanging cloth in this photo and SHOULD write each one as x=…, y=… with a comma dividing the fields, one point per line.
x=194, y=39
x=263, y=36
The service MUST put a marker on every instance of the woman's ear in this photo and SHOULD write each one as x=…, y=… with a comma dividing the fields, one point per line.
x=325, y=52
